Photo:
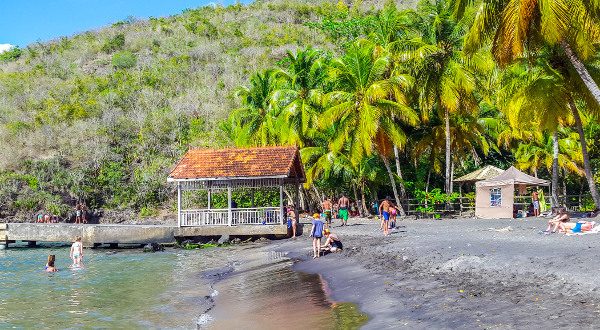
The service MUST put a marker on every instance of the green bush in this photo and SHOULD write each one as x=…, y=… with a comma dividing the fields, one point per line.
x=115, y=43
x=11, y=54
x=124, y=60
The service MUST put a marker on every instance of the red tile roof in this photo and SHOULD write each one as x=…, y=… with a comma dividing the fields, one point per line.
x=239, y=163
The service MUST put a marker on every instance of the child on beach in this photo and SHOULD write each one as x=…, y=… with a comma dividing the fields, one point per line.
x=333, y=243
x=316, y=233
x=50, y=268
x=77, y=253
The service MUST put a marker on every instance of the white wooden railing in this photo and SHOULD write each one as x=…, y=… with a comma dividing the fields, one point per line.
x=220, y=217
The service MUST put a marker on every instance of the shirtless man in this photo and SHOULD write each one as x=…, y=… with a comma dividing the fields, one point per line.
x=327, y=207
x=384, y=213
x=344, y=204
x=536, y=203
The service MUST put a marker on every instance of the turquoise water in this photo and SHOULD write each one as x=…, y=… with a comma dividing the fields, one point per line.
x=218, y=288
x=127, y=289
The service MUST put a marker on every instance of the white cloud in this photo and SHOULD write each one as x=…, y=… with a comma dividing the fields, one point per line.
x=5, y=47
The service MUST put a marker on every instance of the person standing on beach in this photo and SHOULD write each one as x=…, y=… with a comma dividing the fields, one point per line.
x=344, y=203
x=384, y=213
x=78, y=213
x=327, y=207
x=316, y=233
x=77, y=253
x=536, y=203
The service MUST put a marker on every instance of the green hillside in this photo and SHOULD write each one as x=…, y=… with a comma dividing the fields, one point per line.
x=102, y=115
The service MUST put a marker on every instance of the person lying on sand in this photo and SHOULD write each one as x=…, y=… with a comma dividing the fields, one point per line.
x=554, y=224
x=577, y=227
x=333, y=243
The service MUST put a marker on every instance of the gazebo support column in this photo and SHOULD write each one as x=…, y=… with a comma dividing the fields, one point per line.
x=209, y=195
x=297, y=202
x=282, y=216
x=229, y=210
x=179, y=204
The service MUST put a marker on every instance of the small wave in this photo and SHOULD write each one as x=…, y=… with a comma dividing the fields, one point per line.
x=203, y=321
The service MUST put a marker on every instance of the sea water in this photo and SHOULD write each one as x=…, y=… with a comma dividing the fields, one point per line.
x=127, y=288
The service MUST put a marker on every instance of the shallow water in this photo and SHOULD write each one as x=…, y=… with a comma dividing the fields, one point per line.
x=172, y=289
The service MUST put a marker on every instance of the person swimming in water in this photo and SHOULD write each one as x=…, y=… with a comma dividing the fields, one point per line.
x=50, y=268
x=77, y=253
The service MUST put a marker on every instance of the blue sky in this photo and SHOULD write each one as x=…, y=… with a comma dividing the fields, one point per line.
x=26, y=21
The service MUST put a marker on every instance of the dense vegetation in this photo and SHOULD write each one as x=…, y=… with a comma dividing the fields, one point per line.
x=441, y=89
x=380, y=100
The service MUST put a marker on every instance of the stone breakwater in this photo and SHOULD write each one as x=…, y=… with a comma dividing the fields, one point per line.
x=123, y=234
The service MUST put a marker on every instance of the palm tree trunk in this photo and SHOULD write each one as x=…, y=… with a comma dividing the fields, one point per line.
x=386, y=162
x=583, y=73
x=586, y=158
x=555, y=169
x=399, y=173
x=364, y=201
x=448, y=162
x=360, y=210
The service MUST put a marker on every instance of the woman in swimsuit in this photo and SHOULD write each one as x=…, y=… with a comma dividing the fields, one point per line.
x=77, y=253
x=50, y=264
x=557, y=221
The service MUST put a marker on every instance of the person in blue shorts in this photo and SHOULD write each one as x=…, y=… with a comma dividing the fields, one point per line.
x=384, y=214
x=316, y=233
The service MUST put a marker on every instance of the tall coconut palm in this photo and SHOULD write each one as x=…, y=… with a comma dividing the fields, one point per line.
x=447, y=78
x=364, y=104
x=254, y=123
x=300, y=96
x=519, y=27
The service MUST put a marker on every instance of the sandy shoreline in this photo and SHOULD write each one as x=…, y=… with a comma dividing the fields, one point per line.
x=462, y=273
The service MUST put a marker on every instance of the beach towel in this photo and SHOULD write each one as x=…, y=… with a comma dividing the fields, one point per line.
x=543, y=205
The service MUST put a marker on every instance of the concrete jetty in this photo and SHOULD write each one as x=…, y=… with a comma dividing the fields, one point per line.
x=93, y=235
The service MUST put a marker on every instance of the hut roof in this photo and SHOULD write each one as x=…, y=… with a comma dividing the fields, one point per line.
x=242, y=163
x=486, y=172
x=513, y=176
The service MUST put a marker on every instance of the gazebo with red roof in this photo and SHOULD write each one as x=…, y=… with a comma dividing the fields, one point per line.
x=215, y=170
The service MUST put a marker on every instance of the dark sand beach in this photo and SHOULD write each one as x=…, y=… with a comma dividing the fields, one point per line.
x=460, y=273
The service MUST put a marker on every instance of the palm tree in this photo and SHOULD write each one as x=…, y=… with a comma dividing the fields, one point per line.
x=254, y=123
x=520, y=27
x=301, y=94
x=364, y=104
x=446, y=78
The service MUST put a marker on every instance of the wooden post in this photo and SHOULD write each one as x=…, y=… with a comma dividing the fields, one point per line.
x=282, y=216
x=297, y=202
x=229, y=210
x=179, y=203
x=209, y=194
x=460, y=198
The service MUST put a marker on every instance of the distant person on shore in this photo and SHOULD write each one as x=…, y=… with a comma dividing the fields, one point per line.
x=76, y=253
x=292, y=221
x=393, y=213
x=535, y=199
x=40, y=218
x=47, y=218
x=327, y=208
x=332, y=243
x=316, y=233
x=78, y=213
x=557, y=221
x=344, y=204
x=84, y=210
x=384, y=213
x=50, y=268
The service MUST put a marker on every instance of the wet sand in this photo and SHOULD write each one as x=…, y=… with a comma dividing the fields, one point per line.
x=460, y=273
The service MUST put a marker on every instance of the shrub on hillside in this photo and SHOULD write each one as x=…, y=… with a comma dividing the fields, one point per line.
x=115, y=43
x=124, y=60
x=11, y=54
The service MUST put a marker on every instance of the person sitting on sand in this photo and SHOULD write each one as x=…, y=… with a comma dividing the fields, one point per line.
x=333, y=243
x=316, y=233
x=554, y=224
x=77, y=253
x=50, y=268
